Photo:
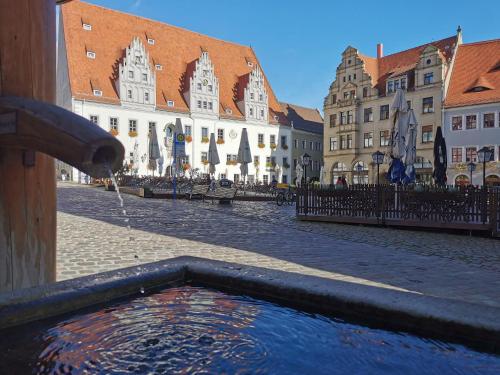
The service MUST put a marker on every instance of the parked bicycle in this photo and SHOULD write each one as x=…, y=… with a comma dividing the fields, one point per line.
x=285, y=196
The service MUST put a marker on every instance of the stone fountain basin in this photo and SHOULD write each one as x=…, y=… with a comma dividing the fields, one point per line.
x=474, y=325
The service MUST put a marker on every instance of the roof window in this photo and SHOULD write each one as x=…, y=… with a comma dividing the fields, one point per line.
x=170, y=103
x=91, y=54
x=87, y=26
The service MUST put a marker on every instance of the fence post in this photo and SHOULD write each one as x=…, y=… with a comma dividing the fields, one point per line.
x=484, y=204
x=493, y=207
x=306, y=199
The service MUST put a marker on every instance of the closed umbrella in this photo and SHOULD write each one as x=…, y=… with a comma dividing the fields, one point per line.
x=410, y=154
x=179, y=145
x=244, y=154
x=213, y=156
x=322, y=176
x=399, y=109
x=440, y=159
x=154, y=148
x=136, y=158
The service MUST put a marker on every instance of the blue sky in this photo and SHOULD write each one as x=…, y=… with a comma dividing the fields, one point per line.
x=299, y=42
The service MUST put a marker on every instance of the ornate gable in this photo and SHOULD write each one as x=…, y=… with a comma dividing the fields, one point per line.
x=255, y=105
x=136, y=80
x=203, y=89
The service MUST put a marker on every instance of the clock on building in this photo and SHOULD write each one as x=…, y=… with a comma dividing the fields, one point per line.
x=205, y=82
x=233, y=134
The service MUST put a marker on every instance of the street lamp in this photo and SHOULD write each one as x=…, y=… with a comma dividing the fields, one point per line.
x=471, y=167
x=483, y=156
x=378, y=158
x=306, y=159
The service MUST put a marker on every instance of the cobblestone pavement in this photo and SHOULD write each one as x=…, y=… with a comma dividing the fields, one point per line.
x=93, y=237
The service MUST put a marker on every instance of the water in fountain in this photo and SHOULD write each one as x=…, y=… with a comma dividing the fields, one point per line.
x=126, y=219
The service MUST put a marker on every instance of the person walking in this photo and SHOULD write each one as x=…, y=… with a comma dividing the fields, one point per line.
x=339, y=181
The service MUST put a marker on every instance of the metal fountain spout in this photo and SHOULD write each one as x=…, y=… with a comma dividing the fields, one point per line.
x=34, y=125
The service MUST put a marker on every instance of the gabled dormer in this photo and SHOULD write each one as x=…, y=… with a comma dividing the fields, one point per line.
x=203, y=88
x=254, y=101
x=430, y=67
x=137, y=80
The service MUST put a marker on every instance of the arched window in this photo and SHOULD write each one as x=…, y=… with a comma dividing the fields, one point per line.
x=462, y=180
x=338, y=170
x=359, y=173
x=493, y=180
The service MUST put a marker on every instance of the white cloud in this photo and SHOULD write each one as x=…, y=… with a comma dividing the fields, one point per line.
x=136, y=4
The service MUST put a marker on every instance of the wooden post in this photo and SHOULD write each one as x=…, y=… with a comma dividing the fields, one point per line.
x=27, y=193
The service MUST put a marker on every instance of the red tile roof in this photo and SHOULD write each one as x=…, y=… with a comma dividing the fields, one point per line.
x=401, y=62
x=476, y=65
x=176, y=48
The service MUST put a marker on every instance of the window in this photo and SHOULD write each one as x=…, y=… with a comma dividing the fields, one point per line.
x=343, y=118
x=210, y=88
x=204, y=132
x=354, y=76
x=352, y=94
x=144, y=77
x=210, y=106
x=91, y=55
x=251, y=95
x=471, y=154
x=428, y=78
x=368, y=117
x=260, y=138
x=129, y=94
x=349, y=141
x=408, y=104
x=138, y=59
x=251, y=111
x=265, y=179
x=470, y=122
x=261, y=97
x=151, y=41
x=456, y=123
x=131, y=74
x=159, y=67
x=87, y=27
x=403, y=83
x=284, y=179
x=333, y=144
x=492, y=149
x=303, y=145
x=295, y=143
x=349, y=77
x=146, y=97
x=222, y=176
x=272, y=139
x=489, y=120
x=350, y=117
x=428, y=105
x=262, y=113
x=204, y=104
x=220, y=134
x=132, y=125
x=187, y=130
x=151, y=126
x=295, y=162
x=385, y=138
x=283, y=140
x=97, y=93
x=94, y=119
x=365, y=92
x=344, y=78
x=334, y=99
x=368, y=140
x=456, y=155
x=204, y=156
x=198, y=86
x=285, y=161
x=426, y=133
x=396, y=85
x=390, y=87
x=343, y=142
x=333, y=120
x=384, y=112
x=198, y=104
x=311, y=145
x=113, y=123
x=273, y=160
x=170, y=103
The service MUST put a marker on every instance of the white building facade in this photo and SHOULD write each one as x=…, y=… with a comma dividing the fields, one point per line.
x=125, y=86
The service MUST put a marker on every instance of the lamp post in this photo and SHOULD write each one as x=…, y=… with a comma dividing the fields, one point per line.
x=378, y=158
x=483, y=156
x=471, y=167
x=306, y=159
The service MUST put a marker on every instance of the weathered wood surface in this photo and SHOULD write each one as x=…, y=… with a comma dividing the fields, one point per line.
x=27, y=194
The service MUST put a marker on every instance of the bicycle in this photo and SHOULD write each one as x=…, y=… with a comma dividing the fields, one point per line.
x=285, y=196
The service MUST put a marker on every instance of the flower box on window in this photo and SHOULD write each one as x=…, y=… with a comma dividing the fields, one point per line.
x=231, y=162
x=113, y=132
x=273, y=146
x=204, y=139
x=262, y=145
x=270, y=165
x=132, y=133
x=220, y=141
x=189, y=139
x=204, y=162
x=284, y=147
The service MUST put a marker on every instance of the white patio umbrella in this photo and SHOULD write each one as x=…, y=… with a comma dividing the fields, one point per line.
x=322, y=176
x=299, y=171
x=399, y=109
x=136, y=158
x=213, y=156
x=410, y=154
x=244, y=154
x=153, y=149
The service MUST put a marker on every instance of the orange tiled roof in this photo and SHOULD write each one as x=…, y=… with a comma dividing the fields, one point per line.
x=400, y=62
x=476, y=65
x=307, y=119
x=175, y=48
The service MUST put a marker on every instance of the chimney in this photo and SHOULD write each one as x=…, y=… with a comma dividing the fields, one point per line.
x=380, y=50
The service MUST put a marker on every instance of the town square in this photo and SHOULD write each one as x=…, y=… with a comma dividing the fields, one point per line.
x=249, y=187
